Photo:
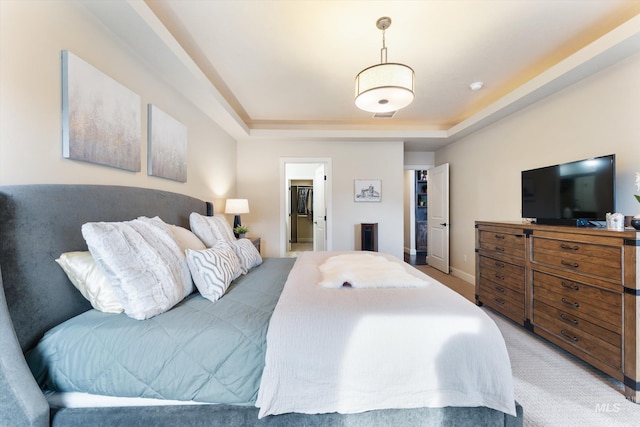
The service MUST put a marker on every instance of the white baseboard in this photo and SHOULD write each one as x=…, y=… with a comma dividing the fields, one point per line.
x=471, y=279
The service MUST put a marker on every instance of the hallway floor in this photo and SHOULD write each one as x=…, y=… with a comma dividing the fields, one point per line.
x=296, y=248
x=418, y=259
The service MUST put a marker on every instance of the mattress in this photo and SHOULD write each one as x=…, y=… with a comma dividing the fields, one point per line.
x=198, y=351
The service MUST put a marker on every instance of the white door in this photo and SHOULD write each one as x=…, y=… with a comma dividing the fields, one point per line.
x=438, y=218
x=319, y=210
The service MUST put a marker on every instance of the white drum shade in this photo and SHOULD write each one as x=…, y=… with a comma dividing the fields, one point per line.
x=384, y=88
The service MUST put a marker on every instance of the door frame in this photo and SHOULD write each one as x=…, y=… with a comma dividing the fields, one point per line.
x=284, y=192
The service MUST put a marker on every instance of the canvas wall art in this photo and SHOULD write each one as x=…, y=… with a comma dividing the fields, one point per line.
x=167, y=151
x=101, y=118
x=368, y=190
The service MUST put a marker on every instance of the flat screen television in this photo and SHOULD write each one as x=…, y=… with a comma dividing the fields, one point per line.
x=576, y=193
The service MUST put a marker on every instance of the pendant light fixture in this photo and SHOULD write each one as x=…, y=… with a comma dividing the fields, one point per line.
x=386, y=87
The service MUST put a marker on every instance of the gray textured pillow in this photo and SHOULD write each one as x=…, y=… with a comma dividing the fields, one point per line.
x=213, y=269
x=143, y=262
x=247, y=254
x=211, y=229
x=224, y=228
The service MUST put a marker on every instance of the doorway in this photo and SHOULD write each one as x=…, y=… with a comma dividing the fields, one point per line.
x=305, y=205
x=427, y=216
x=301, y=204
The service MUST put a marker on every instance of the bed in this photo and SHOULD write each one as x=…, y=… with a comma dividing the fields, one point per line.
x=40, y=222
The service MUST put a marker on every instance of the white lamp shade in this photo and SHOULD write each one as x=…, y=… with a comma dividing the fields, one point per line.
x=384, y=88
x=236, y=206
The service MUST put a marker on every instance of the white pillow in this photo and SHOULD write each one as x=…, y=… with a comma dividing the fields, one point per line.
x=214, y=269
x=86, y=276
x=185, y=238
x=247, y=254
x=143, y=263
x=211, y=229
x=225, y=228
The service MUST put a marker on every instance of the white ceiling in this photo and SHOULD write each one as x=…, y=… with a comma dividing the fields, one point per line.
x=286, y=68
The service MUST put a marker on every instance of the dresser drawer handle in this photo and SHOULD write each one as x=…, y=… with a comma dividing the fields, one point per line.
x=566, y=335
x=570, y=264
x=499, y=301
x=500, y=249
x=499, y=289
x=568, y=319
x=499, y=236
x=573, y=304
x=567, y=286
x=500, y=264
x=569, y=247
x=499, y=277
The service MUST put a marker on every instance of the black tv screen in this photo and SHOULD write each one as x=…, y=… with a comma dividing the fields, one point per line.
x=564, y=193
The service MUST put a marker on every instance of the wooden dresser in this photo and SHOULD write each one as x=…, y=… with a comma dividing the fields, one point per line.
x=576, y=287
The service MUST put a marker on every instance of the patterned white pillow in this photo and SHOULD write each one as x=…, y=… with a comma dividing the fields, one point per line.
x=143, y=263
x=86, y=276
x=214, y=269
x=211, y=229
x=247, y=254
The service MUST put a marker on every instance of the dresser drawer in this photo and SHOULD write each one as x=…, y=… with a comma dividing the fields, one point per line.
x=560, y=317
x=501, y=292
x=579, y=299
x=504, y=300
x=583, y=335
x=503, y=243
x=502, y=274
x=598, y=260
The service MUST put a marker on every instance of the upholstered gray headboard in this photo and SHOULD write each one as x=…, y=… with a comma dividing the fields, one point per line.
x=39, y=222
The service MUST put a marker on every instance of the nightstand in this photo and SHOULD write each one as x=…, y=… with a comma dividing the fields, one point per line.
x=256, y=242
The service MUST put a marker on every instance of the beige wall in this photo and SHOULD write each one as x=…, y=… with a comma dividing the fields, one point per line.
x=259, y=180
x=32, y=35
x=597, y=116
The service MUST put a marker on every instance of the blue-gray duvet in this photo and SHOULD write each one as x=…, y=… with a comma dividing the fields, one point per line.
x=198, y=350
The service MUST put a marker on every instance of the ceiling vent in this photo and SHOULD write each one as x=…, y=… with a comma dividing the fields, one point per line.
x=387, y=115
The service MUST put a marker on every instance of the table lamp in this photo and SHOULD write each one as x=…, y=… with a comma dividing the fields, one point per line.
x=236, y=207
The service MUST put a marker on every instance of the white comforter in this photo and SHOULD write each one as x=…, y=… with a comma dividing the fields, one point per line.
x=351, y=350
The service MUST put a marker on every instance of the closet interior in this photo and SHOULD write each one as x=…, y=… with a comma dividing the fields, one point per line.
x=301, y=211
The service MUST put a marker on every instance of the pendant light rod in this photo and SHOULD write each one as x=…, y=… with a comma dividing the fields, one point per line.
x=382, y=24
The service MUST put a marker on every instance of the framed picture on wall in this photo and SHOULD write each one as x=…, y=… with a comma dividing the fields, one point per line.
x=367, y=190
x=167, y=148
x=100, y=117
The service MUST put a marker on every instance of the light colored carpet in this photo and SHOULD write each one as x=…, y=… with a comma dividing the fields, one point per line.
x=553, y=387
x=557, y=389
